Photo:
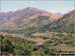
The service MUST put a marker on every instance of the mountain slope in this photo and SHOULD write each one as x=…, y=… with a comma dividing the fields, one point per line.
x=26, y=18
x=64, y=24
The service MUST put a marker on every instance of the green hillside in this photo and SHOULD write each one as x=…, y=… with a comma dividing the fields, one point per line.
x=64, y=24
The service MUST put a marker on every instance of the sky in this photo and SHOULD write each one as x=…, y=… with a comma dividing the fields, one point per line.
x=49, y=5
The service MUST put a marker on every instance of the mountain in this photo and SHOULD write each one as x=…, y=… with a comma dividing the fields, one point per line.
x=58, y=13
x=26, y=18
x=64, y=24
x=32, y=19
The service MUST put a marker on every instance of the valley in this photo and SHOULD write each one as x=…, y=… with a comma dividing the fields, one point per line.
x=33, y=31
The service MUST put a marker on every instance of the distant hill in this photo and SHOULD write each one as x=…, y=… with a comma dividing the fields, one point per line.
x=58, y=13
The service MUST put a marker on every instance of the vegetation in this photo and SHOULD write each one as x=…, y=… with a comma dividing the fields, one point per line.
x=68, y=39
x=6, y=45
x=64, y=24
x=19, y=46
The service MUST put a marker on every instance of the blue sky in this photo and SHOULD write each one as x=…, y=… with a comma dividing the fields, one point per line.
x=51, y=6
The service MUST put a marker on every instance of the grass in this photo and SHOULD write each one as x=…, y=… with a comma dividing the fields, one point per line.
x=64, y=47
x=40, y=41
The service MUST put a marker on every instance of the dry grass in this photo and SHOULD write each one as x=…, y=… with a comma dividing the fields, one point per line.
x=39, y=41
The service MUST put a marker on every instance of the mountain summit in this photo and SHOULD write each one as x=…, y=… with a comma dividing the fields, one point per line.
x=58, y=13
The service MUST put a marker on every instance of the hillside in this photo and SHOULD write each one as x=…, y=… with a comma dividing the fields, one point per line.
x=64, y=24
x=26, y=18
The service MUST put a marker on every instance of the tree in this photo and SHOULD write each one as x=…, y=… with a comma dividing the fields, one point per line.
x=6, y=45
x=39, y=52
x=34, y=48
x=20, y=50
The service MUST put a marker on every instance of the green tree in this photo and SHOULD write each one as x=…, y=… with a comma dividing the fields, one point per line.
x=39, y=52
x=20, y=50
x=6, y=45
x=34, y=48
